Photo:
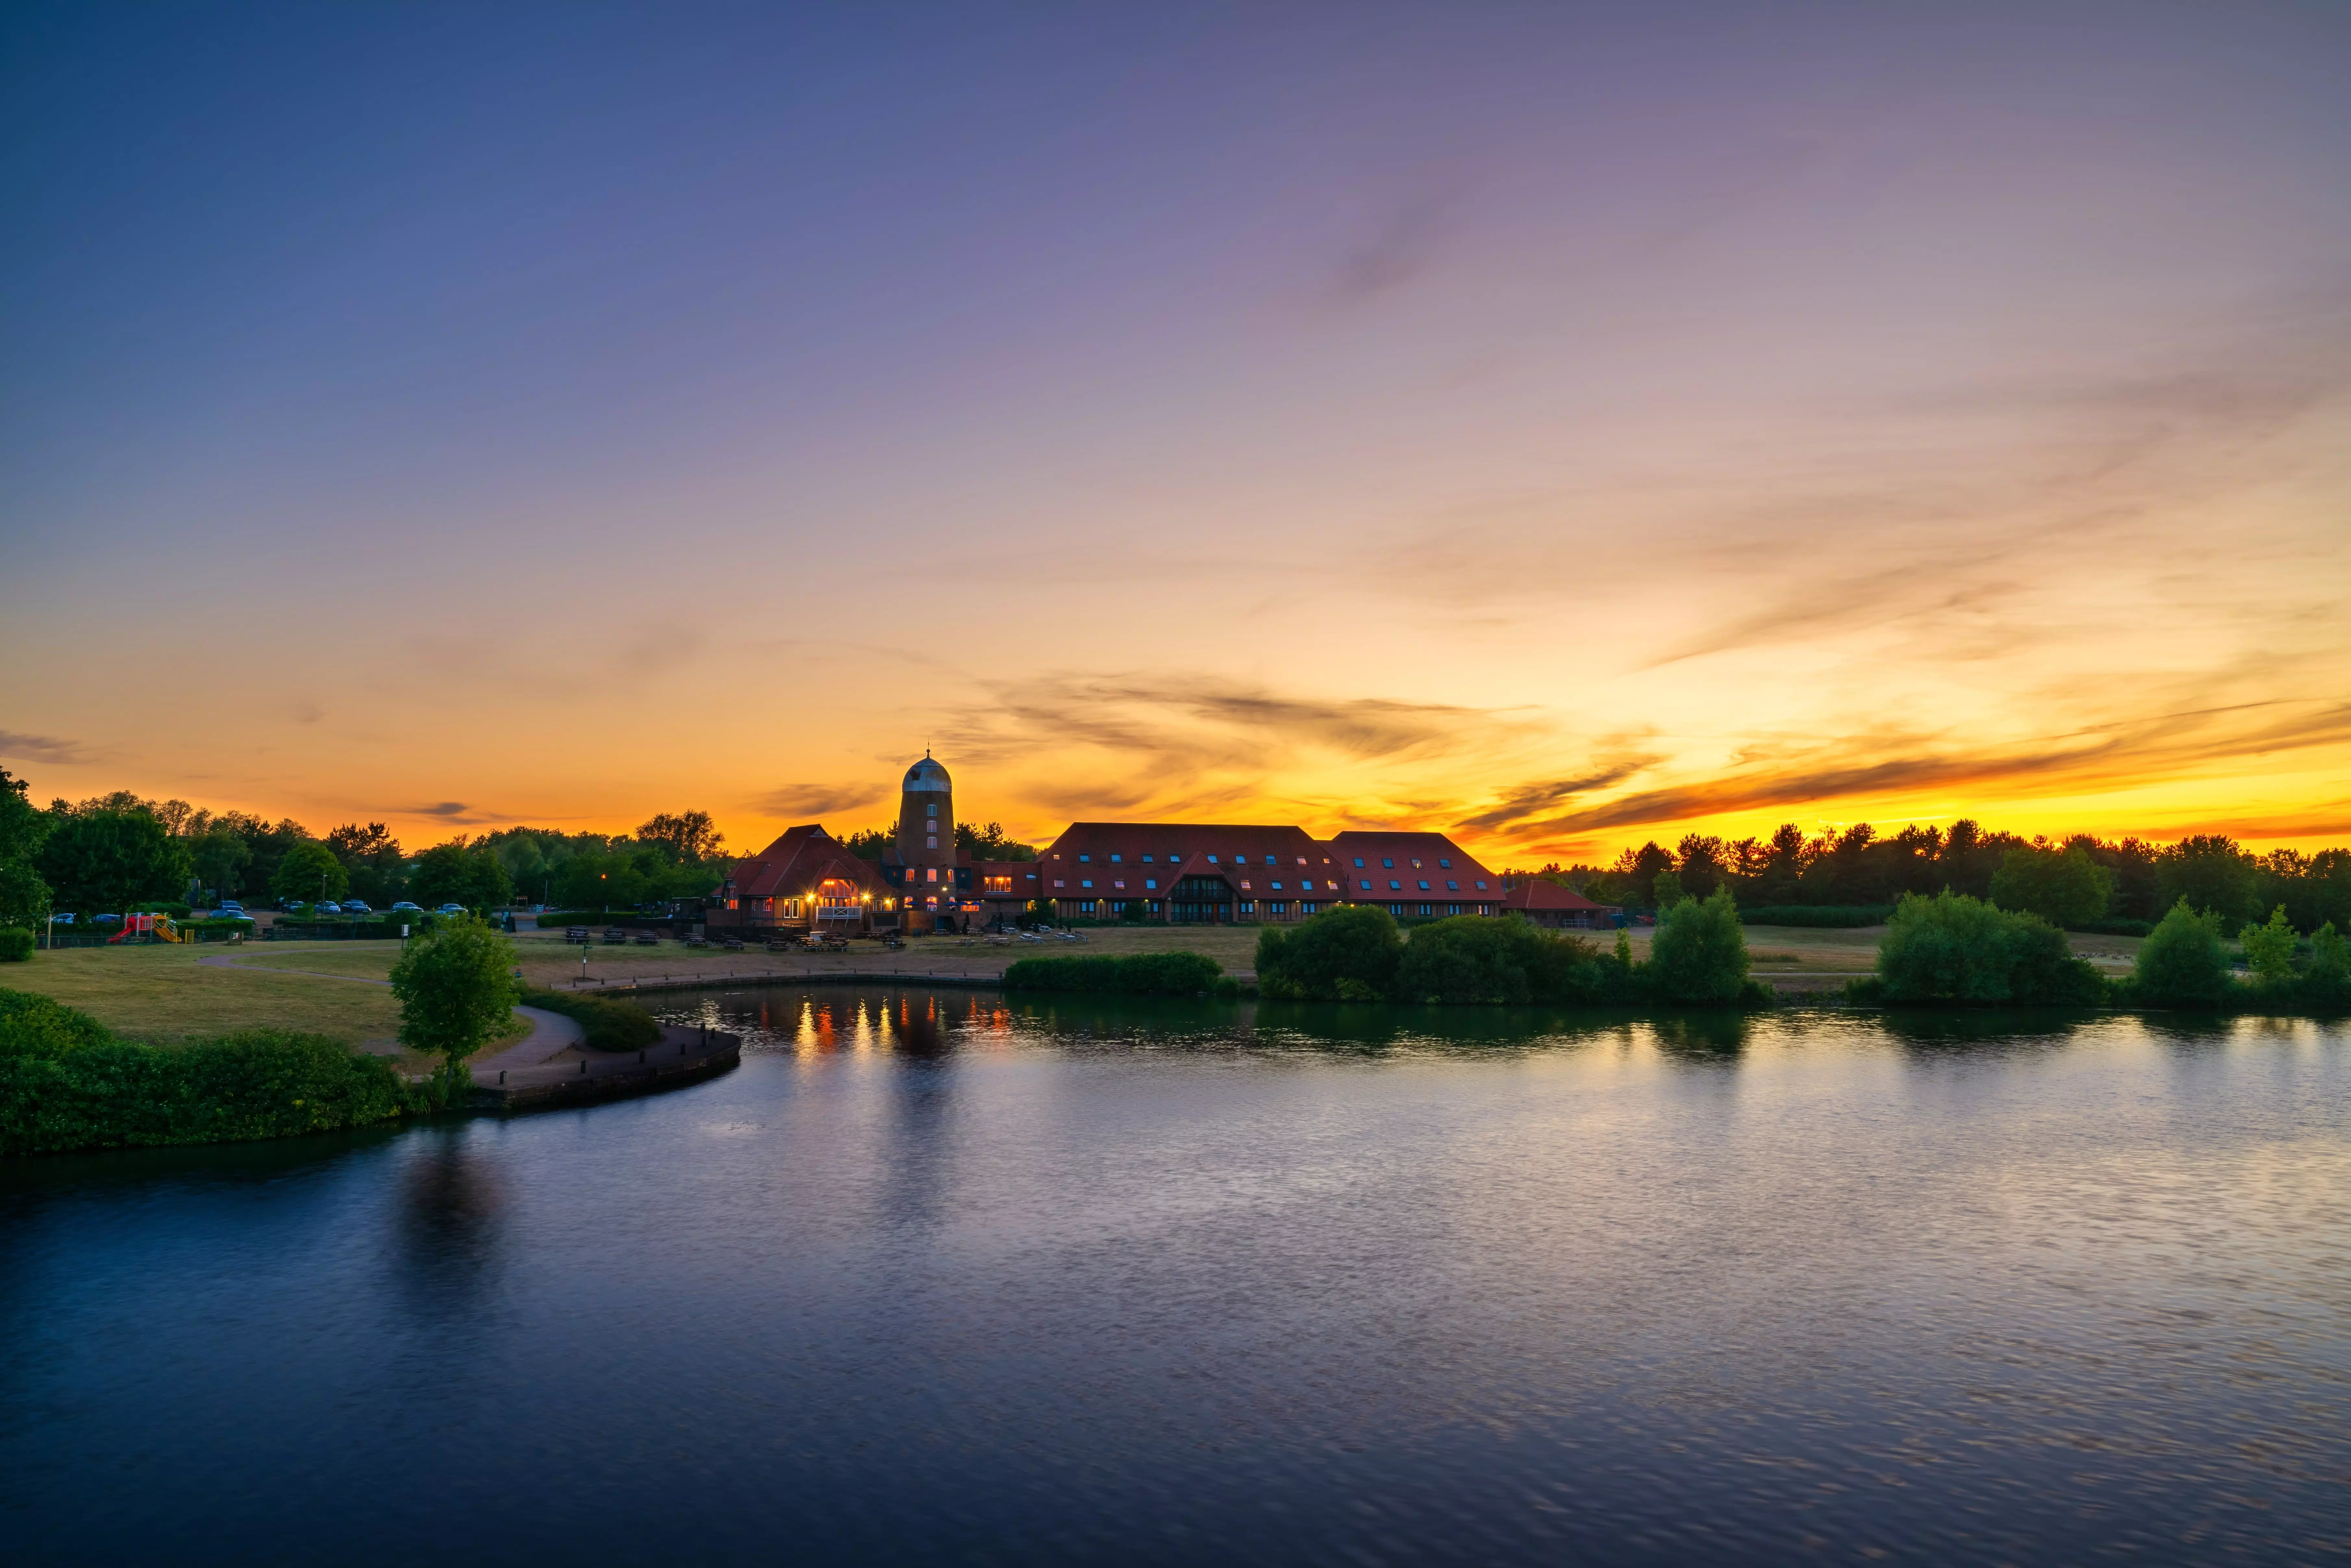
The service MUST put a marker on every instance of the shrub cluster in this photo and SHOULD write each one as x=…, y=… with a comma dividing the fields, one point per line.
x=16, y=944
x=66, y=1083
x=1137, y=974
x=1836, y=916
x=1357, y=954
x=1955, y=950
x=609, y=1025
x=2184, y=964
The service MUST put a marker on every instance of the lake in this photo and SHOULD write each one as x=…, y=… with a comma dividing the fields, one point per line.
x=936, y=1278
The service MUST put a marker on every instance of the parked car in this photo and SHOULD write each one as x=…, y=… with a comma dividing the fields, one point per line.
x=356, y=906
x=64, y=919
x=451, y=909
x=404, y=907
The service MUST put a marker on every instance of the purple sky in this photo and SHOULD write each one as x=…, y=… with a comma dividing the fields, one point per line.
x=1568, y=425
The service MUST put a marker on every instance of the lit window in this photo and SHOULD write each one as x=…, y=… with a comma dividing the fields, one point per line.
x=1120, y=884
x=1058, y=883
x=1415, y=865
x=1244, y=882
x=930, y=874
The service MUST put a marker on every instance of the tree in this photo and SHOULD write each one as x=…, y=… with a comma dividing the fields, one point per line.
x=2065, y=887
x=1349, y=954
x=868, y=844
x=220, y=858
x=308, y=872
x=2269, y=947
x=371, y=855
x=1699, y=954
x=463, y=872
x=108, y=860
x=991, y=843
x=690, y=837
x=1668, y=888
x=1954, y=949
x=456, y=989
x=23, y=826
x=2213, y=875
x=23, y=897
x=2183, y=962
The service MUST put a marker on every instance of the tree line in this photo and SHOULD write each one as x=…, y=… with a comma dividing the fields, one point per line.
x=2077, y=881
x=111, y=853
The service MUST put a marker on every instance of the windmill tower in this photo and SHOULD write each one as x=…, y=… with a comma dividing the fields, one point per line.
x=926, y=842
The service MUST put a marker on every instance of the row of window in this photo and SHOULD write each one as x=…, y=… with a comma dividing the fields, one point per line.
x=1395, y=886
x=1386, y=863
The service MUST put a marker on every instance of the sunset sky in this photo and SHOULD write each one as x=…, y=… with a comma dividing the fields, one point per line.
x=1559, y=425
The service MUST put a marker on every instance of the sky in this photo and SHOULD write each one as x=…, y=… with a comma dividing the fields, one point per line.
x=1561, y=426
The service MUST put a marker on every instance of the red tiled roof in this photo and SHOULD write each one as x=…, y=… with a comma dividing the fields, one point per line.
x=1536, y=893
x=797, y=860
x=1120, y=857
x=1418, y=857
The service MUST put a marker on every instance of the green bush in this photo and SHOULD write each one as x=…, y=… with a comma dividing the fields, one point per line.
x=66, y=1083
x=1136, y=974
x=2183, y=962
x=1699, y=954
x=1835, y=916
x=2269, y=947
x=16, y=944
x=609, y=1025
x=1346, y=955
x=1468, y=958
x=1952, y=949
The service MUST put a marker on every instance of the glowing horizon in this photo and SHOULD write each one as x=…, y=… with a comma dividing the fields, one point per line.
x=1558, y=430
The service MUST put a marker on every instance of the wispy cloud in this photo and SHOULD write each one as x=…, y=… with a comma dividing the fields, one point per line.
x=806, y=801
x=44, y=748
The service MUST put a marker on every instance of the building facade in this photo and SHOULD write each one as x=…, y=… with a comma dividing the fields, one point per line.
x=1185, y=873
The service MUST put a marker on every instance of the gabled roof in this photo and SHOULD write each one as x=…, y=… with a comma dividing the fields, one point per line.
x=1431, y=849
x=799, y=859
x=1534, y=894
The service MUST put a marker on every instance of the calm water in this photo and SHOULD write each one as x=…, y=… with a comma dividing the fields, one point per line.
x=931, y=1280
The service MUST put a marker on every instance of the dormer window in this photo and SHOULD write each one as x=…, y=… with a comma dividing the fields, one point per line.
x=1389, y=865
x=1444, y=865
x=1085, y=859
x=1147, y=860
x=1359, y=862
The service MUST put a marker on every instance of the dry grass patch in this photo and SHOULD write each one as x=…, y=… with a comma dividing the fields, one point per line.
x=162, y=995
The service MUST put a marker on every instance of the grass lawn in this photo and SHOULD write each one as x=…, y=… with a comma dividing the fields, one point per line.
x=160, y=994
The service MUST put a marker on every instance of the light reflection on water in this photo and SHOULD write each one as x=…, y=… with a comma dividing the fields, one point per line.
x=938, y=1275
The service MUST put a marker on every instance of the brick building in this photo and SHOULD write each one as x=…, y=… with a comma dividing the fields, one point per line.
x=1181, y=873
